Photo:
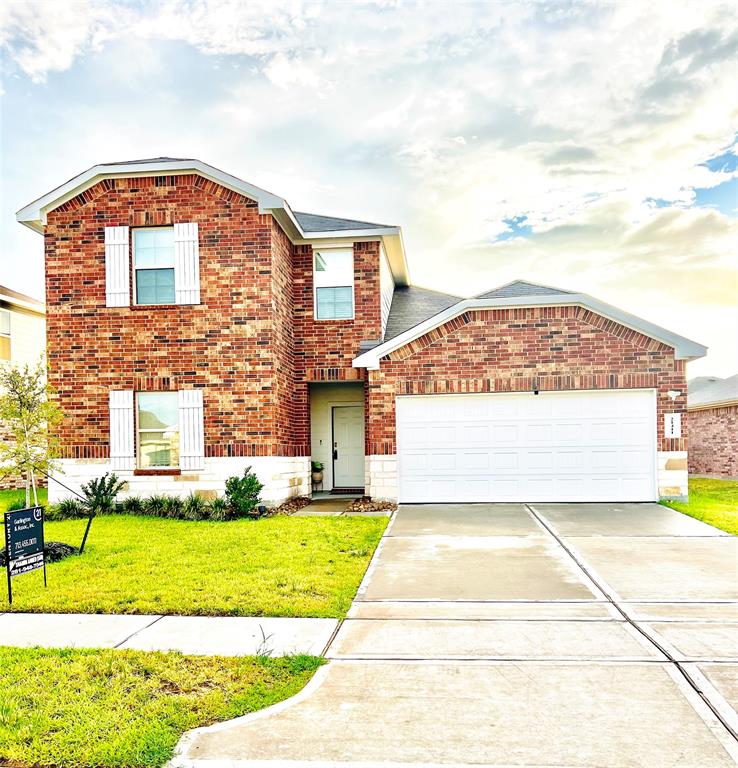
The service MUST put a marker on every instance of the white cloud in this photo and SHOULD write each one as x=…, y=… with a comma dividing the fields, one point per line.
x=575, y=116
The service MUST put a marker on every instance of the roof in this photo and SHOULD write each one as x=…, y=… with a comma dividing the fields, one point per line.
x=314, y=222
x=411, y=305
x=520, y=288
x=527, y=295
x=708, y=392
x=323, y=228
x=9, y=296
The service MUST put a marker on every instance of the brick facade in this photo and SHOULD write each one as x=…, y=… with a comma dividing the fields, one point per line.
x=252, y=344
x=713, y=444
x=519, y=350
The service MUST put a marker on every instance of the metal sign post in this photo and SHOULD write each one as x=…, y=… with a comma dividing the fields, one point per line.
x=24, y=544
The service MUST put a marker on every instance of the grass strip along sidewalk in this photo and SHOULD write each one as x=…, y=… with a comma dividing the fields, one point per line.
x=127, y=709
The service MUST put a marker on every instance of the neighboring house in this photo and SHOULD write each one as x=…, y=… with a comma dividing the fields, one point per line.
x=197, y=325
x=713, y=426
x=22, y=340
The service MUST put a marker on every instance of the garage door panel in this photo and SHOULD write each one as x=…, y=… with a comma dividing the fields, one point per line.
x=573, y=446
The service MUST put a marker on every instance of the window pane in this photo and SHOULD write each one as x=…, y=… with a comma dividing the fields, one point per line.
x=334, y=303
x=158, y=449
x=334, y=268
x=153, y=247
x=158, y=410
x=5, y=322
x=158, y=425
x=154, y=286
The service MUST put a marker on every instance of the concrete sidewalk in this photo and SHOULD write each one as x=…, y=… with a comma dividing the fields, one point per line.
x=196, y=635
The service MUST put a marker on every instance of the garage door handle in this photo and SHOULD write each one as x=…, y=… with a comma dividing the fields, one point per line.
x=335, y=454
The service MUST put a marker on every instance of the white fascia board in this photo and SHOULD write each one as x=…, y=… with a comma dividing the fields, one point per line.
x=716, y=404
x=31, y=306
x=684, y=349
x=33, y=215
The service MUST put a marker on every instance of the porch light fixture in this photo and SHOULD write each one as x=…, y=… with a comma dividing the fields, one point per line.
x=674, y=393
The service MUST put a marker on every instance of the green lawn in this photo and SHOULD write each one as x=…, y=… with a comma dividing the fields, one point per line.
x=277, y=566
x=712, y=501
x=8, y=497
x=104, y=708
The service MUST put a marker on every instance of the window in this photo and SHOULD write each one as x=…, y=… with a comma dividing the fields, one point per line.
x=158, y=430
x=153, y=262
x=4, y=334
x=333, y=277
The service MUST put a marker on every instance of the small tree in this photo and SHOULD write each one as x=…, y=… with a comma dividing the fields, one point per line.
x=30, y=417
x=99, y=499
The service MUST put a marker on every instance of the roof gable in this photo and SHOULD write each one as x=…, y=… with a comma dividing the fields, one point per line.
x=521, y=288
x=412, y=305
x=313, y=222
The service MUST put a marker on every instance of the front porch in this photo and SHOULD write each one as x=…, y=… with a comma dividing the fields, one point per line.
x=337, y=418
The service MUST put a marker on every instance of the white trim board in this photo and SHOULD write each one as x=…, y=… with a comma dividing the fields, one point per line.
x=684, y=348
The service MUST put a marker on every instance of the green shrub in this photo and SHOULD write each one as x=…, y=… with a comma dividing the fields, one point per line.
x=155, y=505
x=16, y=504
x=195, y=508
x=219, y=510
x=132, y=505
x=242, y=493
x=99, y=494
x=173, y=507
x=68, y=509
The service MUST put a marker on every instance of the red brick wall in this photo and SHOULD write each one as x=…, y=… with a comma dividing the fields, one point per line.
x=325, y=349
x=517, y=350
x=234, y=345
x=713, y=441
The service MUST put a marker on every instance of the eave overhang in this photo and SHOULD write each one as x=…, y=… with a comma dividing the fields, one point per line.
x=34, y=215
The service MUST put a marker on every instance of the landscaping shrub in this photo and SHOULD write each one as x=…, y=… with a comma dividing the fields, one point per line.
x=219, y=510
x=196, y=508
x=132, y=505
x=173, y=507
x=99, y=499
x=155, y=505
x=242, y=493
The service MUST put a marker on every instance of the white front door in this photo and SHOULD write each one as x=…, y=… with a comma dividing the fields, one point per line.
x=348, y=446
x=554, y=446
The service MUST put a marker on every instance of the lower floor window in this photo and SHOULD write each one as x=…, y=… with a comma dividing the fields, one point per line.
x=158, y=429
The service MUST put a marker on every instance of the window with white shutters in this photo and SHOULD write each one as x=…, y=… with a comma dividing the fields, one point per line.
x=191, y=430
x=122, y=451
x=117, y=270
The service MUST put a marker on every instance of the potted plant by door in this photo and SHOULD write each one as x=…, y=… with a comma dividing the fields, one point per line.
x=317, y=470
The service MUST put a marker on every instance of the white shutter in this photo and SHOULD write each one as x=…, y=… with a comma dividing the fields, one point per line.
x=122, y=451
x=117, y=268
x=186, y=264
x=191, y=430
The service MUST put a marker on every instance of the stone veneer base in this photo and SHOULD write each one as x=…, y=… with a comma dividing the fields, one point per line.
x=283, y=477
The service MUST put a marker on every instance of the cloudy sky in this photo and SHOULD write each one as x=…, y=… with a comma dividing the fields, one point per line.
x=582, y=145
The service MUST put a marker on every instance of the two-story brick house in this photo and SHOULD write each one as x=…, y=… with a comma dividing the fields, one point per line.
x=197, y=325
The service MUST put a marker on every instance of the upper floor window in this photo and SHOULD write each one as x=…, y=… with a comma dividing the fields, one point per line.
x=153, y=264
x=4, y=334
x=333, y=278
x=158, y=430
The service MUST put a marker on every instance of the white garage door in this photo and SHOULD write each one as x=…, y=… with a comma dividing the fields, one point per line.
x=554, y=446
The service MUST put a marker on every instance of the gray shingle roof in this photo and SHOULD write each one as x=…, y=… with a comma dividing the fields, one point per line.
x=706, y=390
x=151, y=160
x=520, y=288
x=411, y=305
x=313, y=222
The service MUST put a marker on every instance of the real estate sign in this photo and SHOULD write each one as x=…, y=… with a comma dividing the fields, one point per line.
x=24, y=543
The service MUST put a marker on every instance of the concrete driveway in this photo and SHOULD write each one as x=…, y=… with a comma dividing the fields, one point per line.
x=519, y=635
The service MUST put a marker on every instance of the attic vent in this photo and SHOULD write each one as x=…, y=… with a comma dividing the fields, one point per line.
x=165, y=181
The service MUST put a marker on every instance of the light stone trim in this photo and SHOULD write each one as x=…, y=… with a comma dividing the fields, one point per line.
x=380, y=477
x=672, y=483
x=283, y=477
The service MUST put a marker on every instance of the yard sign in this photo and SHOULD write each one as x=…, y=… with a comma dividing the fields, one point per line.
x=24, y=543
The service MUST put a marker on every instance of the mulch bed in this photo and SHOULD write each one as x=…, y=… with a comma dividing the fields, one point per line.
x=54, y=551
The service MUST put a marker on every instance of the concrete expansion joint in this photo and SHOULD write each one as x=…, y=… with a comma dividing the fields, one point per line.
x=720, y=712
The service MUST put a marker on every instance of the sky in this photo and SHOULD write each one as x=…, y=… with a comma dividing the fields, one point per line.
x=585, y=145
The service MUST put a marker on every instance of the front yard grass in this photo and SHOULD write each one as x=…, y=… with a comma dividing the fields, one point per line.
x=278, y=566
x=712, y=501
x=10, y=497
x=76, y=708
